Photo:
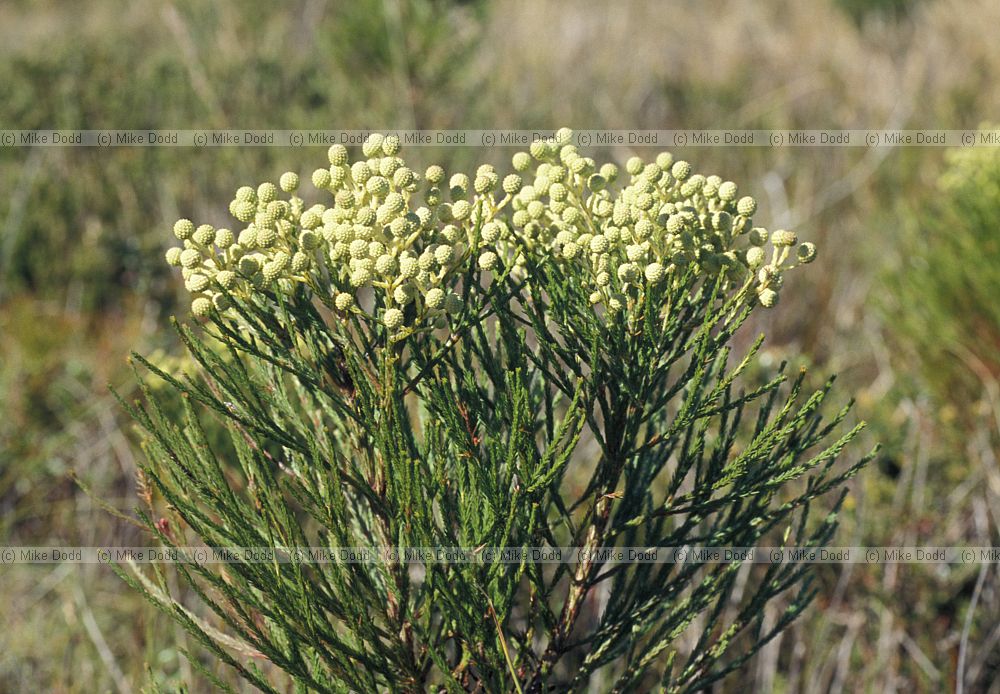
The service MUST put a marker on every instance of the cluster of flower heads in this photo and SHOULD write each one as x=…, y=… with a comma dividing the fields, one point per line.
x=409, y=237
x=665, y=221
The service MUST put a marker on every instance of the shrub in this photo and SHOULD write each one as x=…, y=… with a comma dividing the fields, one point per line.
x=536, y=359
x=947, y=266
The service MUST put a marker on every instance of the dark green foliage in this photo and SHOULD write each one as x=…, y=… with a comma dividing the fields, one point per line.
x=535, y=422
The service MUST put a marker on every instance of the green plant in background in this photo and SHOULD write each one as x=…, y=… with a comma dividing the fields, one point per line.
x=948, y=280
x=524, y=360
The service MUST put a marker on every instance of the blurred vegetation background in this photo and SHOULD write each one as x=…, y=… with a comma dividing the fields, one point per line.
x=902, y=304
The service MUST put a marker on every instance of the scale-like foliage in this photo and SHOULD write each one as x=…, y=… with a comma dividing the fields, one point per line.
x=541, y=365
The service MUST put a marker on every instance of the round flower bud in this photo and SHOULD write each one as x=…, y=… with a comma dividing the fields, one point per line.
x=391, y=145
x=377, y=186
x=311, y=220
x=387, y=166
x=266, y=192
x=628, y=272
x=403, y=177
x=174, y=256
x=434, y=174
x=512, y=184
x=434, y=298
x=337, y=155
x=634, y=165
x=426, y=261
x=521, y=161
x=782, y=237
x=345, y=199
x=634, y=252
x=360, y=277
x=266, y=237
x=570, y=250
x=603, y=279
x=664, y=160
x=289, y=181
x=183, y=229
x=461, y=209
x=595, y=297
x=539, y=149
x=488, y=260
x=385, y=264
x=394, y=203
x=755, y=257
x=343, y=233
x=196, y=283
x=680, y=170
x=675, y=223
x=555, y=173
x=248, y=266
x=655, y=273
x=557, y=191
x=444, y=254
x=746, y=206
x=758, y=236
x=322, y=179
x=300, y=262
x=806, y=253
x=271, y=271
x=365, y=216
x=201, y=306
x=408, y=267
x=610, y=172
x=393, y=318
x=599, y=244
x=597, y=182
x=242, y=210
x=491, y=232
x=727, y=191
x=768, y=298
x=246, y=194
x=226, y=278
x=308, y=239
x=343, y=301
x=403, y=294
x=360, y=172
x=458, y=186
x=482, y=184
x=565, y=236
x=190, y=258
x=224, y=238
x=452, y=303
x=643, y=229
x=520, y=218
x=398, y=227
x=359, y=248
x=372, y=145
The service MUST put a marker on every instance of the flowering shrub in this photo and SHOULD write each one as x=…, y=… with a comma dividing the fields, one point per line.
x=536, y=359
